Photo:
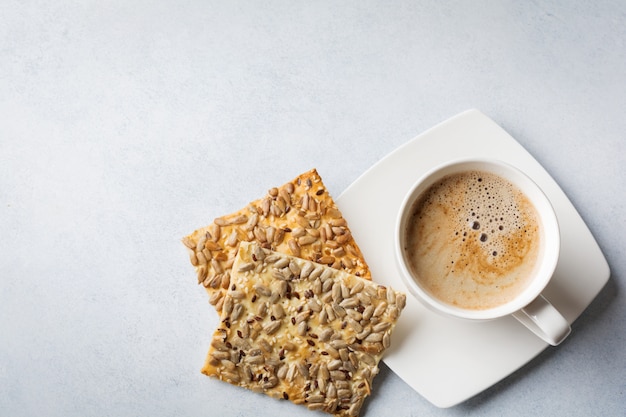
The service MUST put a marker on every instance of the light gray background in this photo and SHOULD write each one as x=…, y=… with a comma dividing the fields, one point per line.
x=124, y=125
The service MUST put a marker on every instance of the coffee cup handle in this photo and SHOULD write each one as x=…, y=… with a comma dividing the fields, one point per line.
x=544, y=320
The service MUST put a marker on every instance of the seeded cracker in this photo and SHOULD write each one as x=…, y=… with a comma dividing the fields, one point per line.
x=302, y=331
x=298, y=218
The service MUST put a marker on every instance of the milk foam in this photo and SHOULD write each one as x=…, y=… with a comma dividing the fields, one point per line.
x=473, y=240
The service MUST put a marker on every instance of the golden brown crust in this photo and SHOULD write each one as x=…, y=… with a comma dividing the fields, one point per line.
x=301, y=331
x=298, y=218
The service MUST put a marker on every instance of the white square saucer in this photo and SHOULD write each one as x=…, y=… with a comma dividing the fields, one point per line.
x=445, y=360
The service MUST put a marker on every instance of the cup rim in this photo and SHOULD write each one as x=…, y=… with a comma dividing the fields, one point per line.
x=549, y=225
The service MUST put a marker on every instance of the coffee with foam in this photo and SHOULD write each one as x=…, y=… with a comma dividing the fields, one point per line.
x=473, y=240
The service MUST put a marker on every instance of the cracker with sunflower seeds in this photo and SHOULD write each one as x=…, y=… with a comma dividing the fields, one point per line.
x=301, y=331
x=298, y=218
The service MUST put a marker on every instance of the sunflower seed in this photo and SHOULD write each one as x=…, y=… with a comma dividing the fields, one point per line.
x=245, y=330
x=342, y=384
x=281, y=205
x=325, y=334
x=298, y=232
x=279, y=235
x=345, y=291
x=294, y=268
x=380, y=309
x=357, y=288
x=277, y=311
x=237, y=312
x=215, y=282
x=330, y=312
x=255, y=358
x=386, y=340
x=231, y=377
x=334, y=365
x=291, y=373
x=271, y=382
x=225, y=280
x=220, y=221
x=259, y=234
x=316, y=406
x=366, y=331
x=282, y=372
x=338, y=222
x=347, y=365
x=327, y=286
x=364, y=298
x=381, y=327
x=302, y=328
x=294, y=247
x=322, y=384
x=315, y=398
x=271, y=327
x=262, y=290
x=306, y=270
x=317, y=272
x=332, y=352
x=228, y=304
x=258, y=254
x=354, y=359
x=313, y=232
x=338, y=344
x=336, y=292
x=193, y=258
x=217, y=267
x=331, y=390
x=354, y=409
x=269, y=259
x=237, y=294
x=270, y=234
x=202, y=274
x=303, y=316
x=248, y=266
x=354, y=314
x=354, y=325
x=344, y=354
x=327, y=260
x=339, y=310
x=189, y=243
x=314, y=305
x=281, y=288
x=323, y=317
x=285, y=196
x=252, y=221
x=317, y=286
x=349, y=303
x=303, y=369
x=215, y=297
x=374, y=337
x=306, y=240
x=401, y=301
x=344, y=238
x=338, y=376
x=279, y=274
x=281, y=263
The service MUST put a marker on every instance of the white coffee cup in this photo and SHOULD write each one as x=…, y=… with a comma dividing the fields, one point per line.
x=528, y=306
